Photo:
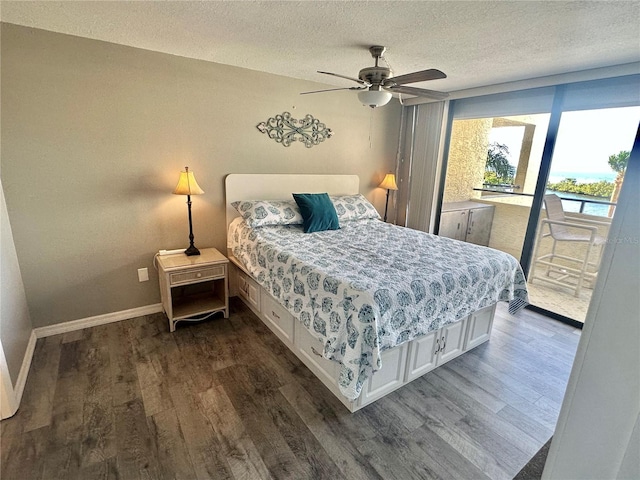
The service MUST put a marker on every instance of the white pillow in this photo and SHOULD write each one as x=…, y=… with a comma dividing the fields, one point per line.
x=353, y=207
x=260, y=213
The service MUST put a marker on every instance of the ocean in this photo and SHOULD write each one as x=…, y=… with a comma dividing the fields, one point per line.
x=582, y=177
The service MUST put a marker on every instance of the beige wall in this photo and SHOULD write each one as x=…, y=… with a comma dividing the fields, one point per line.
x=467, y=159
x=94, y=136
x=15, y=323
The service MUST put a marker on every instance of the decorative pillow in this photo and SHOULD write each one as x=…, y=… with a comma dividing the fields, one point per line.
x=317, y=212
x=260, y=213
x=353, y=207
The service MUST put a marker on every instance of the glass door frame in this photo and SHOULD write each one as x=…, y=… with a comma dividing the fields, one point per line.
x=538, y=196
x=541, y=185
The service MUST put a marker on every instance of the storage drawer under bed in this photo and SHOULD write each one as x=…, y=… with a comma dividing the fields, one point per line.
x=249, y=290
x=401, y=364
x=279, y=320
x=311, y=349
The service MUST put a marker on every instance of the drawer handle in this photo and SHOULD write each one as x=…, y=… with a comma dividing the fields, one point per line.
x=437, y=345
x=315, y=352
x=444, y=343
x=275, y=315
x=198, y=275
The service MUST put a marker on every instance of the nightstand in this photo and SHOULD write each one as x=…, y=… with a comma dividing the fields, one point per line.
x=194, y=285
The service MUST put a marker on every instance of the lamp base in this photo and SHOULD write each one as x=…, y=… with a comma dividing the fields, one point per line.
x=191, y=251
x=386, y=206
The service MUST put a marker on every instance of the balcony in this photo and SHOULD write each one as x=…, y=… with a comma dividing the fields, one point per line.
x=511, y=215
x=500, y=161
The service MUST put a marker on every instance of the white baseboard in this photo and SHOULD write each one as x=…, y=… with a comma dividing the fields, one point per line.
x=8, y=402
x=24, y=368
x=66, y=327
x=74, y=325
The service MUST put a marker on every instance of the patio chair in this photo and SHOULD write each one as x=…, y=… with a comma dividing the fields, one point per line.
x=572, y=271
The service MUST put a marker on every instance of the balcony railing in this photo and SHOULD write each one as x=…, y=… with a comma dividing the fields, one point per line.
x=582, y=201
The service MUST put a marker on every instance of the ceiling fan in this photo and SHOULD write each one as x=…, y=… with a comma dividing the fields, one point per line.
x=377, y=84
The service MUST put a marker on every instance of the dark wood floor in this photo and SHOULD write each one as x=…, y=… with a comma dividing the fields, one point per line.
x=223, y=399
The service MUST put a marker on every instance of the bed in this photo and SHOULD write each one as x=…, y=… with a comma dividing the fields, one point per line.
x=370, y=306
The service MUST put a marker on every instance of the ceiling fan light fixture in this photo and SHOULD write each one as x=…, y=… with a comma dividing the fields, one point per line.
x=380, y=82
x=374, y=98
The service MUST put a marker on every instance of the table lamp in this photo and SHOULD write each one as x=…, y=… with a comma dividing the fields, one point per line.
x=389, y=183
x=188, y=186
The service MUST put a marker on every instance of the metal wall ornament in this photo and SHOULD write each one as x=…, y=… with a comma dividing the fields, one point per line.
x=285, y=130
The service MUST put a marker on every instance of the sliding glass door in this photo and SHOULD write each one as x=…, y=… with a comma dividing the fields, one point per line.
x=586, y=174
x=492, y=170
x=501, y=168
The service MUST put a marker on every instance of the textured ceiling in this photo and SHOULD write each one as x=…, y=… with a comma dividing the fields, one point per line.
x=476, y=43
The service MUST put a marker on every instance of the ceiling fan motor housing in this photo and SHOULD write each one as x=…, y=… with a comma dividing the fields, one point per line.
x=374, y=75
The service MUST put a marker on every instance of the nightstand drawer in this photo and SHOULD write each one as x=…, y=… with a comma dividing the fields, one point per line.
x=190, y=276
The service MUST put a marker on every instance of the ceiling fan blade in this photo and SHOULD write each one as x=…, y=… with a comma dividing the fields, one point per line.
x=361, y=82
x=334, y=89
x=422, y=76
x=420, y=92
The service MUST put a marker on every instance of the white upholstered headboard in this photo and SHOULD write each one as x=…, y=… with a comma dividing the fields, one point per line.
x=280, y=187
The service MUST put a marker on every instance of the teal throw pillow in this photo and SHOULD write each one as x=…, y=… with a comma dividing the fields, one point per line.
x=318, y=212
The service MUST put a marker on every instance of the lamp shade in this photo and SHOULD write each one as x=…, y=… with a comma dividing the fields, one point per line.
x=389, y=182
x=374, y=98
x=187, y=184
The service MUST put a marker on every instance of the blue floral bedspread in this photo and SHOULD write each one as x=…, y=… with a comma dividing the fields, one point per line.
x=371, y=285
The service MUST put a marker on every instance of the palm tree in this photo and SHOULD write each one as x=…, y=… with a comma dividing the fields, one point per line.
x=618, y=164
x=498, y=169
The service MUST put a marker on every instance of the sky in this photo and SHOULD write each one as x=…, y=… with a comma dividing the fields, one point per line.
x=585, y=140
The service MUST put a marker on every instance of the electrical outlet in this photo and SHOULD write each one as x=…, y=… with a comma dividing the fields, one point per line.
x=143, y=274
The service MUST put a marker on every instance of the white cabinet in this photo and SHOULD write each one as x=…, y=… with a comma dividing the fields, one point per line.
x=453, y=224
x=479, y=329
x=435, y=348
x=452, y=339
x=467, y=221
x=423, y=355
x=389, y=378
